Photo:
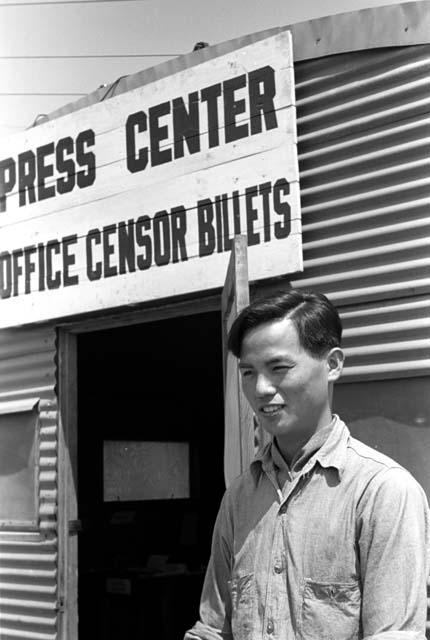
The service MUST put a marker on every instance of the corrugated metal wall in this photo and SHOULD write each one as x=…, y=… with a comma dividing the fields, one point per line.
x=28, y=561
x=364, y=157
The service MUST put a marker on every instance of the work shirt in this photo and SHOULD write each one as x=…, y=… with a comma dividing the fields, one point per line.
x=340, y=553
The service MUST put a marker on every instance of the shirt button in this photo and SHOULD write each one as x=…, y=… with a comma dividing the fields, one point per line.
x=270, y=627
x=278, y=567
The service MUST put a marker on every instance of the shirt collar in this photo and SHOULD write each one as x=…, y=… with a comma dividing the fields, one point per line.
x=332, y=453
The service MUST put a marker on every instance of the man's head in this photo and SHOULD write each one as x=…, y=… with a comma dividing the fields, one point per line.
x=289, y=353
x=316, y=320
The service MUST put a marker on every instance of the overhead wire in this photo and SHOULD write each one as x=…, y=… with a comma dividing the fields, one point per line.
x=54, y=2
x=83, y=56
x=42, y=93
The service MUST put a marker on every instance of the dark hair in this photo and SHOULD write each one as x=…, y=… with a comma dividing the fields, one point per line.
x=315, y=318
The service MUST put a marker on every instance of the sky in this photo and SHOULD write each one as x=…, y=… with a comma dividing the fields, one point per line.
x=39, y=40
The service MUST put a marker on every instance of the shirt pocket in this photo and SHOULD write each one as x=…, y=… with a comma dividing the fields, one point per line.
x=330, y=611
x=242, y=596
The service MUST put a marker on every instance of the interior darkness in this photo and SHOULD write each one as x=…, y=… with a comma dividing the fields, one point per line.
x=158, y=381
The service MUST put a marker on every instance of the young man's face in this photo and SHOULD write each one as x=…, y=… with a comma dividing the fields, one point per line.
x=285, y=385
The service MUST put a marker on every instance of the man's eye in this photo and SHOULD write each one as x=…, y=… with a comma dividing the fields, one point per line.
x=281, y=367
x=246, y=373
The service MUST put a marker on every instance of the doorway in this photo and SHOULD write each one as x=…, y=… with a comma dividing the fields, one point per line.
x=150, y=474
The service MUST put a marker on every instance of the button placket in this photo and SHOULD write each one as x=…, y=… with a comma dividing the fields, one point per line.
x=272, y=600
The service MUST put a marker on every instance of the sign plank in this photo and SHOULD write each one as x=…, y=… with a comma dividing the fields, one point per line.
x=139, y=197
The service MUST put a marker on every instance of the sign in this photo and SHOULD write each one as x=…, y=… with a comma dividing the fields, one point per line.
x=139, y=197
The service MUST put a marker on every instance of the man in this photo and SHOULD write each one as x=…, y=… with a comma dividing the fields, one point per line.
x=323, y=538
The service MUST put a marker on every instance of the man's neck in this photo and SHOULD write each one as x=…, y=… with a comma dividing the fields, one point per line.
x=292, y=448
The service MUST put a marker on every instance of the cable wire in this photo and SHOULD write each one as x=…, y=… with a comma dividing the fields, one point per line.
x=108, y=55
x=48, y=93
x=54, y=2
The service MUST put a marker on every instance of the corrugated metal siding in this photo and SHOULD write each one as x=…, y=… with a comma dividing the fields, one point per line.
x=28, y=560
x=364, y=158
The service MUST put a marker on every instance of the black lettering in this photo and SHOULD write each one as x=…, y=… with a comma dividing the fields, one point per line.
x=265, y=190
x=7, y=180
x=186, y=125
x=251, y=216
x=218, y=221
x=41, y=265
x=211, y=95
x=161, y=229
x=261, y=102
x=53, y=280
x=64, y=147
x=86, y=158
x=136, y=123
x=16, y=269
x=233, y=108
x=44, y=171
x=109, y=270
x=205, y=216
x=178, y=221
x=94, y=272
x=158, y=133
x=5, y=275
x=126, y=247
x=69, y=260
x=29, y=265
x=27, y=177
x=282, y=229
x=143, y=240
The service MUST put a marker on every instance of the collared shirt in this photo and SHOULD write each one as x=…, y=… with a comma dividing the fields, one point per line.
x=284, y=472
x=341, y=553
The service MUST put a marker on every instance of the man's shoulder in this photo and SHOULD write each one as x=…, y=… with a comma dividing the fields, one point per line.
x=376, y=471
x=245, y=485
x=370, y=457
x=246, y=480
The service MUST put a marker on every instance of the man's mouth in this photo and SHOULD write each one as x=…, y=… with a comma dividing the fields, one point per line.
x=271, y=409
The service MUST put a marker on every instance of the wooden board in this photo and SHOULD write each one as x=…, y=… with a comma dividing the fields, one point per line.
x=238, y=416
x=138, y=197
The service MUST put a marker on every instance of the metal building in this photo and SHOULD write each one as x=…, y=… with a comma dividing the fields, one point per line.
x=362, y=83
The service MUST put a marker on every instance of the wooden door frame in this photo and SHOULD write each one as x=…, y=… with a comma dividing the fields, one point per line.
x=67, y=485
x=68, y=525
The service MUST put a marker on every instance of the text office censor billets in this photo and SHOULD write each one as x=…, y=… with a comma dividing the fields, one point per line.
x=139, y=197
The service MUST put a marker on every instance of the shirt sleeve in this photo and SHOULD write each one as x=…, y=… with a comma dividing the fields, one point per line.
x=393, y=539
x=215, y=603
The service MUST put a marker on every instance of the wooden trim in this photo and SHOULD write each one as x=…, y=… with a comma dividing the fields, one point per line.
x=149, y=314
x=239, y=425
x=236, y=288
x=67, y=487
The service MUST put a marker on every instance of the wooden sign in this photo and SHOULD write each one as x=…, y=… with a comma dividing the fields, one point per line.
x=139, y=197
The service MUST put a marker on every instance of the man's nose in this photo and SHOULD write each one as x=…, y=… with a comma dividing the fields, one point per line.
x=264, y=386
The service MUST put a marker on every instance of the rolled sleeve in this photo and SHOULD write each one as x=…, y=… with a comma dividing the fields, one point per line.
x=215, y=603
x=393, y=538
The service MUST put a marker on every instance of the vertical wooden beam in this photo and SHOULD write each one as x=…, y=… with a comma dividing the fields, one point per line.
x=68, y=488
x=238, y=417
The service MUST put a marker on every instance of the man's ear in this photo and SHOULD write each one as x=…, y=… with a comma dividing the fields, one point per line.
x=335, y=360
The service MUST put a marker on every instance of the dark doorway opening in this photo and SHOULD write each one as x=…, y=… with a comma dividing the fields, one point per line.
x=152, y=392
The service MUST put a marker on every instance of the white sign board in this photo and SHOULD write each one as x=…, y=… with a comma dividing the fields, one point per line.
x=138, y=197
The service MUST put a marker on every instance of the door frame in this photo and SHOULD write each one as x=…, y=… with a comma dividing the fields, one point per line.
x=68, y=524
